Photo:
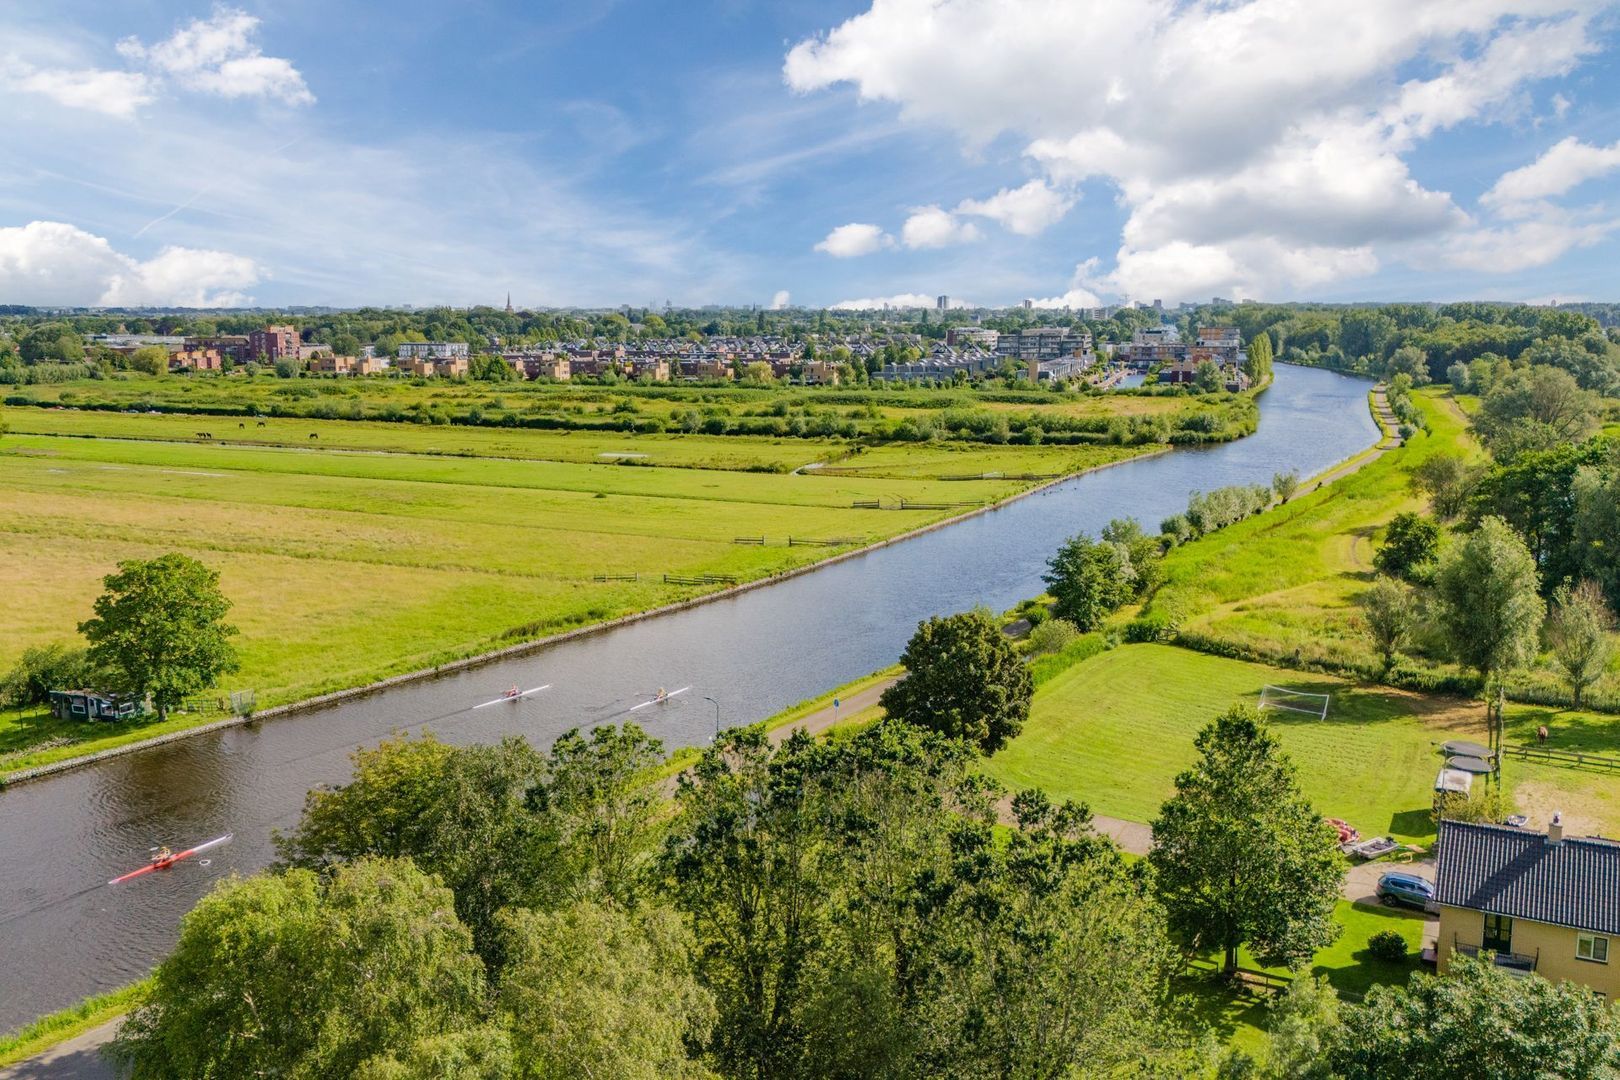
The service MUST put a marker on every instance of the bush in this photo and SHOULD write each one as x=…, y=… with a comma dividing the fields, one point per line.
x=44, y=668
x=1052, y=635
x=1387, y=945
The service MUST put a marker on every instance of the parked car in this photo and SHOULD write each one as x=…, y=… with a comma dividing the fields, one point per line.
x=1409, y=889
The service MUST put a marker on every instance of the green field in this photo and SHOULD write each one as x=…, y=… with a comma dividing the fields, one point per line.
x=1113, y=731
x=1284, y=583
x=377, y=549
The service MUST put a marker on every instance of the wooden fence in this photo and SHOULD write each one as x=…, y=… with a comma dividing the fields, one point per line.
x=1575, y=759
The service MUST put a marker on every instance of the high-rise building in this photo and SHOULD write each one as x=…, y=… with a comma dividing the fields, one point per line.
x=274, y=342
x=1029, y=305
x=942, y=302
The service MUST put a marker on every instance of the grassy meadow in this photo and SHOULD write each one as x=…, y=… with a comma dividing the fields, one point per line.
x=378, y=548
x=1114, y=730
x=1284, y=583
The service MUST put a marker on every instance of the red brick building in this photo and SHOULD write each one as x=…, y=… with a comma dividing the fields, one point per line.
x=274, y=342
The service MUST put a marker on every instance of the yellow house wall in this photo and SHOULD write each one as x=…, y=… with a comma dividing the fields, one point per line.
x=1553, y=947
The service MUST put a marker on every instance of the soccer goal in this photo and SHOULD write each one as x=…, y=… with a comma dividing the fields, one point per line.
x=1300, y=701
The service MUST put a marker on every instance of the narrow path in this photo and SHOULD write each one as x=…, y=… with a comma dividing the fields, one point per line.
x=78, y=1058
x=1390, y=441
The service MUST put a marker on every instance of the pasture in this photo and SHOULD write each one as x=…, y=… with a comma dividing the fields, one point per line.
x=373, y=549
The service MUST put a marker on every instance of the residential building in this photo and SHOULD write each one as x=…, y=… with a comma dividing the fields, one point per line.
x=818, y=373
x=196, y=360
x=124, y=344
x=234, y=347
x=1543, y=903
x=274, y=342
x=961, y=336
x=450, y=368
x=1044, y=343
x=941, y=302
x=325, y=363
x=434, y=350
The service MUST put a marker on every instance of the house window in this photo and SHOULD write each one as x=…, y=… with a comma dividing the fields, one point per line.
x=1592, y=947
x=1498, y=935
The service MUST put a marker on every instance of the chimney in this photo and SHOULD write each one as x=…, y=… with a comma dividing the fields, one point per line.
x=1555, y=829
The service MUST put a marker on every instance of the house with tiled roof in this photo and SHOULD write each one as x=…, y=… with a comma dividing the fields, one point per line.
x=1537, y=902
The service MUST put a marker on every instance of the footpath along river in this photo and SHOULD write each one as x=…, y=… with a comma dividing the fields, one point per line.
x=64, y=934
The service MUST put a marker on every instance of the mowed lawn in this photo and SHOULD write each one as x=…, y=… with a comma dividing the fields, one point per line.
x=1114, y=730
x=346, y=567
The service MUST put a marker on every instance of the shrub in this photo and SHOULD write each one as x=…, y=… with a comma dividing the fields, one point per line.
x=1387, y=945
x=1052, y=635
x=44, y=668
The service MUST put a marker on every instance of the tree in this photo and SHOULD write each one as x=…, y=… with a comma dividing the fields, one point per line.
x=1534, y=409
x=1595, y=493
x=160, y=626
x=604, y=812
x=1480, y=1022
x=1579, y=630
x=1257, y=359
x=151, y=359
x=1411, y=544
x=1240, y=856
x=1389, y=610
x=1089, y=579
x=964, y=679
x=1146, y=553
x=460, y=813
x=43, y=668
x=1411, y=361
x=1301, y=1022
x=598, y=990
x=1487, y=603
x=290, y=975
x=1448, y=480
x=1207, y=378
x=1284, y=485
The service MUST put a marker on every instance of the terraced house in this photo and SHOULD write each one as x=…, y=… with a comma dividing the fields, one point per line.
x=1539, y=902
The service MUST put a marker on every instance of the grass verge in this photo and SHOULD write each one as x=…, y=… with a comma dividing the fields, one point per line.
x=58, y=1027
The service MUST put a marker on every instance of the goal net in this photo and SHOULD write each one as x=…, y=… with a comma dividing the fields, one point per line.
x=1300, y=701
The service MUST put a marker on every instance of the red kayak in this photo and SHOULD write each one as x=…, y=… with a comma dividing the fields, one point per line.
x=163, y=862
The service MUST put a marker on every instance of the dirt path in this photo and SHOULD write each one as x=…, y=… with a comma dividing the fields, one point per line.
x=78, y=1058
x=1390, y=441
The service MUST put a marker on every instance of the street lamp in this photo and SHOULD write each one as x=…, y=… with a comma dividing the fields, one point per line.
x=716, y=705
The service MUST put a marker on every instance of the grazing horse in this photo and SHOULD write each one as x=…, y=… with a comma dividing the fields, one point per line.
x=1541, y=734
x=204, y=435
x=261, y=423
x=313, y=435
x=241, y=425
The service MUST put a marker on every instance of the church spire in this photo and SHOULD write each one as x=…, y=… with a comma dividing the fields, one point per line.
x=509, y=303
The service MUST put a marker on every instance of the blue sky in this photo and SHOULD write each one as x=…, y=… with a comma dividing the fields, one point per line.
x=1073, y=151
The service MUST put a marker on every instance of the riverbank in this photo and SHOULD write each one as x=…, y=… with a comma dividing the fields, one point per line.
x=60, y=759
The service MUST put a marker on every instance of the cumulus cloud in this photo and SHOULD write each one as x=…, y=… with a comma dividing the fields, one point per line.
x=856, y=238
x=116, y=93
x=49, y=262
x=1026, y=210
x=220, y=55
x=931, y=227
x=898, y=300
x=1256, y=145
x=1562, y=168
x=780, y=300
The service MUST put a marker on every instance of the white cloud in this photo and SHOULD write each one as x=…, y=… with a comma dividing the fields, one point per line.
x=116, y=93
x=219, y=55
x=780, y=300
x=931, y=227
x=1562, y=168
x=1257, y=146
x=1026, y=210
x=1523, y=244
x=49, y=262
x=1080, y=293
x=898, y=300
x=856, y=238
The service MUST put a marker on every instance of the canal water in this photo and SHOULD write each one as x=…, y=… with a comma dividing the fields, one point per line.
x=64, y=934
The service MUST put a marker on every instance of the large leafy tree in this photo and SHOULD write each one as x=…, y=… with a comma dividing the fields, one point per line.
x=1089, y=579
x=601, y=990
x=458, y=812
x=1240, y=856
x=964, y=679
x=160, y=626
x=1597, y=526
x=1539, y=494
x=1487, y=605
x=292, y=975
x=1411, y=543
x=1389, y=610
x=1535, y=409
x=1478, y=1023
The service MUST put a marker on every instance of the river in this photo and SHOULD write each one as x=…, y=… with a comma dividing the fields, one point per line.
x=65, y=935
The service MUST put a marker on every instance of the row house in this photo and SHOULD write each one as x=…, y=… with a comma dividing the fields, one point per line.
x=451, y=368
x=327, y=364
x=233, y=347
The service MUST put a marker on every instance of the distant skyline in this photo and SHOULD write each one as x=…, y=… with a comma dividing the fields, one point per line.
x=604, y=152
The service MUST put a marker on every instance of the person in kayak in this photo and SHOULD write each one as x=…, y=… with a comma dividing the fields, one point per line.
x=163, y=857
x=662, y=697
x=514, y=692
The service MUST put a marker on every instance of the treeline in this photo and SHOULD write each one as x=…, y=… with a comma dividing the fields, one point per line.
x=1435, y=343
